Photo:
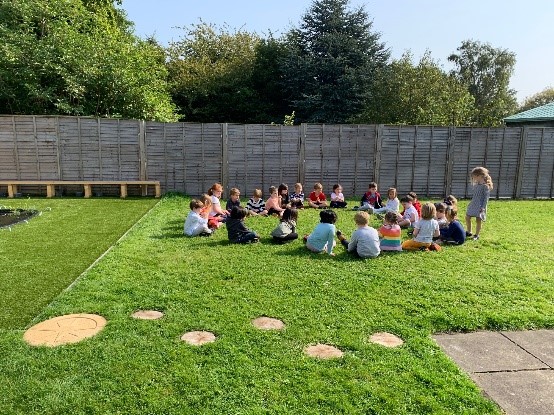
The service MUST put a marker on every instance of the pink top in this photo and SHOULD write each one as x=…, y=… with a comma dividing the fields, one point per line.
x=273, y=203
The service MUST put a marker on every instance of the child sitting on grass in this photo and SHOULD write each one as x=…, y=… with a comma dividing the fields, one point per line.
x=424, y=230
x=297, y=197
x=441, y=215
x=337, y=198
x=256, y=205
x=317, y=198
x=286, y=230
x=214, y=222
x=323, y=236
x=195, y=224
x=236, y=229
x=371, y=199
x=273, y=204
x=390, y=233
x=409, y=216
x=234, y=199
x=454, y=233
x=365, y=240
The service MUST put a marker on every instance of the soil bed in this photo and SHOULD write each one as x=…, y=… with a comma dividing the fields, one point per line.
x=10, y=217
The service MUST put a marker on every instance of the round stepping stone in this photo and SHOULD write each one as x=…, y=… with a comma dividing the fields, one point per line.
x=71, y=328
x=198, y=338
x=147, y=314
x=323, y=351
x=268, y=323
x=386, y=339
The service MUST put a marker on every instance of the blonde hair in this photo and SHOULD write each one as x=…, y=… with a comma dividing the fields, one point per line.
x=451, y=200
x=318, y=186
x=361, y=218
x=206, y=199
x=484, y=172
x=195, y=204
x=272, y=189
x=391, y=189
x=451, y=213
x=298, y=186
x=428, y=211
x=234, y=192
x=257, y=193
x=216, y=187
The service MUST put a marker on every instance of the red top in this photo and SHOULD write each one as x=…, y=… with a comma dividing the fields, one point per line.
x=319, y=198
x=417, y=206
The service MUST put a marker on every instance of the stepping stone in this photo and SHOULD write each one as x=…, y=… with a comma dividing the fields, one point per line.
x=71, y=328
x=268, y=323
x=386, y=339
x=323, y=351
x=198, y=338
x=147, y=315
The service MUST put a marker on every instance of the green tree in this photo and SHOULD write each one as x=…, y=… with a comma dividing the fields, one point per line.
x=546, y=96
x=78, y=58
x=211, y=72
x=486, y=72
x=405, y=93
x=331, y=62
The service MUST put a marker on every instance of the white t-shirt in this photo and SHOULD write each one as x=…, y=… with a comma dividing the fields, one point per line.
x=426, y=230
x=335, y=196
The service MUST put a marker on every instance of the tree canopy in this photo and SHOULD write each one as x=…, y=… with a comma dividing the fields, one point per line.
x=539, y=99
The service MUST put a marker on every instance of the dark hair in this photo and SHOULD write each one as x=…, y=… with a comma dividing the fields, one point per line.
x=327, y=216
x=336, y=186
x=372, y=185
x=440, y=207
x=391, y=217
x=282, y=187
x=407, y=199
x=289, y=214
x=195, y=204
x=238, y=212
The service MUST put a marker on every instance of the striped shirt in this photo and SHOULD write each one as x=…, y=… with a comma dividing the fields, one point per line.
x=256, y=206
x=391, y=238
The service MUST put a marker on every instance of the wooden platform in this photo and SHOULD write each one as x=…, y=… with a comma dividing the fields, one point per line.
x=87, y=185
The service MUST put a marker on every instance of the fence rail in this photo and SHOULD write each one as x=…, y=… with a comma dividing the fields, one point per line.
x=187, y=157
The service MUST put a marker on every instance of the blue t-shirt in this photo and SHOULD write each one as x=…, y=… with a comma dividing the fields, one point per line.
x=324, y=233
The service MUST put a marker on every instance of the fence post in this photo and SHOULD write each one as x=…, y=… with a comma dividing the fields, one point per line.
x=225, y=154
x=521, y=161
x=15, y=150
x=450, y=159
x=377, y=153
x=143, y=174
x=302, y=153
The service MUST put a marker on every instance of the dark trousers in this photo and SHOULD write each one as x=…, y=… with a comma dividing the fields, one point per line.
x=246, y=238
x=345, y=243
x=290, y=237
x=335, y=204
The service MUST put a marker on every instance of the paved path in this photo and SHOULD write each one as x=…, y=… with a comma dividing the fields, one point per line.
x=513, y=368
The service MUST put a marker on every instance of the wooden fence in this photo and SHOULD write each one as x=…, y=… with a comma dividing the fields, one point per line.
x=186, y=157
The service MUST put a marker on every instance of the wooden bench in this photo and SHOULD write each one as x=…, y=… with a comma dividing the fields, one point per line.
x=87, y=184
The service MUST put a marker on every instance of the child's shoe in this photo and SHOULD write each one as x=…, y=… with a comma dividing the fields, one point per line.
x=305, y=238
x=356, y=208
x=475, y=237
x=468, y=234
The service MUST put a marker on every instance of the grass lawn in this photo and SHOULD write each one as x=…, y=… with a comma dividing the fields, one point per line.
x=42, y=257
x=503, y=281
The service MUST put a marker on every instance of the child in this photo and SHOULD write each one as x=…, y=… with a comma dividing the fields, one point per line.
x=415, y=202
x=337, y=198
x=273, y=206
x=283, y=191
x=365, y=240
x=450, y=200
x=256, y=205
x=441, y=215
x=410, y=215
x=393, y=204
x=323, y=236
x=237, y=230
x=297, y=198
x=390, y=233
x=214, y=222
x=454, y=233
x=195, y=224
x=234, y=199
x=317, y=198
x=286, y=230
x=424, y=230
x=371, y=199
x=215, y=193
x=477, y=208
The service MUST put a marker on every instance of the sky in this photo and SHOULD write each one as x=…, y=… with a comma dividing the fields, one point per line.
x=522, y=27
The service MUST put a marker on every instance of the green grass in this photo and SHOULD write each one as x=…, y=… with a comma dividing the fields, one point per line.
x=42, y=257
x=504, y=281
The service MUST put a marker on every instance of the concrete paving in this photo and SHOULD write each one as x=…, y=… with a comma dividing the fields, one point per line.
x=515, y=369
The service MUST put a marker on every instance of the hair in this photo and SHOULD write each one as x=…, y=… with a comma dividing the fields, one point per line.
x=336, y=186
x=428, y=211
x=482, y=171
x=298, y=185
x=327, y=216
x=195, y=204
x=440, y=207
x=407, y=199
x=372, y=185
x=257, y=193
x=216, y=187
x=272, y=189
x=238, y=212
x=282, y=187
x=206, y=199
x=318, y=186
x=391, y=217
x=413, y=195
x=234, y=192
x=290, y=214
x=391, y=189
x=450, y=200
x=361, y=218
x=451, y=213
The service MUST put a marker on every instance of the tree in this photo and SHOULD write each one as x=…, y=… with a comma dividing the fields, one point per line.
x=331, y=62
x=211, y=73
x=486, y=72
x=544, y=97
x=78, y=58
x=405, y=93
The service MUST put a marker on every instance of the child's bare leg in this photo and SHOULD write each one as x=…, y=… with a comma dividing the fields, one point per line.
x=468, y=224
x=478, y=224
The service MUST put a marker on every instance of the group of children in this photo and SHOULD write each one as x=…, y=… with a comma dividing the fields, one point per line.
x=430, y=225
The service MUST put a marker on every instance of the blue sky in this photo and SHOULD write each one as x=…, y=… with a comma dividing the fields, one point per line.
x=523, y=27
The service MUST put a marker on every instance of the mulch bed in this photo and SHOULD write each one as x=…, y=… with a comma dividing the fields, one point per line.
x=9, y=217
